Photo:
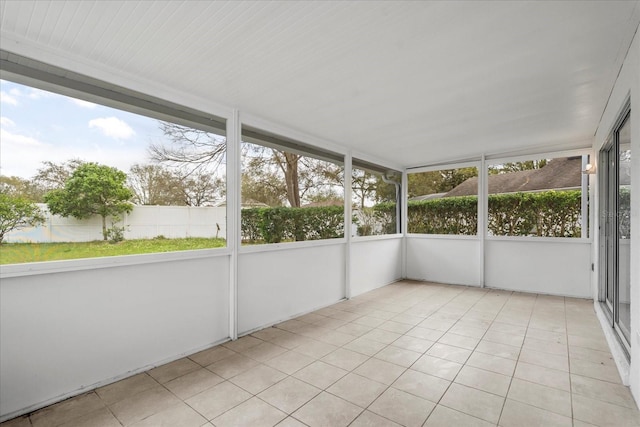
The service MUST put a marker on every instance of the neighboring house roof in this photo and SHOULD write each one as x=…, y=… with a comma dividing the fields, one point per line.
x=426, y=197
x=561, y=173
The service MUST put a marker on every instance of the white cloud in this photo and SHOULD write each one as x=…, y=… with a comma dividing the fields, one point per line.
x=6, y=121
x=84, y=104
x=113, y=127
x=6, y=98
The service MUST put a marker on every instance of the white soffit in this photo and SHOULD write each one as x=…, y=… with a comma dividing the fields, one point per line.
x=411, y=82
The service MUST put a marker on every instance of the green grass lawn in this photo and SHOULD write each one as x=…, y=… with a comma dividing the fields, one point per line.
x=16, y=253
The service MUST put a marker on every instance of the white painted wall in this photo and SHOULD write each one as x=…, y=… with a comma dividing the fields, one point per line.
x=627, y=84
x=66, y=331
x=375, y=263
x=556, y=267
x=279, y=282
x=444, y=259
x=144, y=222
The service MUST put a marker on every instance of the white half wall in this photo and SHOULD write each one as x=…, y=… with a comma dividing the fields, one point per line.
x=375, y=263
x=65, y=332
x=559, y=267
x=279, y=283
x=444, y=260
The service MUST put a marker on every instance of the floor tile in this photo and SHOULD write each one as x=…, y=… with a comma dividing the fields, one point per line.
x=253, y=412
x=315, y=349
x=596, y=356
x=21, y=421
x=263, y=352
x=425, y=333
x=336, y=338
x=241, y=344
x=67, y=410
x=320, y=374
x=438, y=367
x=544, y=376
x=178, y=415
x=126, y=388
x=369, y=419
x=100, y=418
x=602, y=390
x=380, y=371
x=345, y=359
x=517, y=414
x=381, y=336
x=553, y=361
x=461, y=341
x=173, y=370
x=597, y=343
x=460, y=328
x=354, y=329
x=289, y=394
x=290, y=362
x=398, y=356
x=497, y=349
x=473, y=402
x=373, y=322
x=595, y=370
x=447, y=417
x=193, y=383
x=492, y=363
x=211, y=355
x=232, y=366
x=315, y=412
x=543, y=397
x=258, y=378
x=449, y=352
x=544, y=346
x=605, y=414
x=422, y=385
x=504, y=338
x=218, y=399
x=365, y=346
x=402, y=408
x=143, y=405
x=414, y=344
x=356, y=389
x=484, y=380
x=290, y=422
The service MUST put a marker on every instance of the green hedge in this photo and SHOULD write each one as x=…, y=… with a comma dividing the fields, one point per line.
x=546, y=214
x=274, y=225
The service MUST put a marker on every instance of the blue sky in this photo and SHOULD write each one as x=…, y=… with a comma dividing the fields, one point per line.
x=37, y=126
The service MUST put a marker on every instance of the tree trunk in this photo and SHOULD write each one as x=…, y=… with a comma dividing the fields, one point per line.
x=104, y=227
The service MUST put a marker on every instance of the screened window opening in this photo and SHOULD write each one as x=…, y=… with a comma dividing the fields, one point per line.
x=290, y=191
x=443, y=202
x=91, y=180
x=537, y=197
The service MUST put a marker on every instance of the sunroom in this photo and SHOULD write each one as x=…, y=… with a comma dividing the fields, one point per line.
x=455, y=303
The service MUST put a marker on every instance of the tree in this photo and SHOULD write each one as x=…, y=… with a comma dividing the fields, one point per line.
x=17, y=212
x=55, y=175
x=16, y=186
x=155, y=185
x=517, y=166
x=92, y=189
x=202, y=189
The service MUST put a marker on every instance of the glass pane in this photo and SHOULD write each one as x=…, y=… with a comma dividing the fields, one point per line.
x=443, y=202
x=374, y=201
x=538, y=197
x=624, y=228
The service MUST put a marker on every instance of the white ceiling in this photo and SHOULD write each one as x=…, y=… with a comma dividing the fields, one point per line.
x=411, y=82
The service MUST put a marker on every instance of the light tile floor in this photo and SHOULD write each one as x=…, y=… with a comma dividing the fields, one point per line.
x=410, y=354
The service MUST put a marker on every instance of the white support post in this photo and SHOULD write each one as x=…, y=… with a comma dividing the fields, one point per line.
x=348, y=223
x=483, y=215
x=404, y=221
x=233, y=215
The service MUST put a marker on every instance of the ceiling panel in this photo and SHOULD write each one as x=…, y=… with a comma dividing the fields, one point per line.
x=412, y=82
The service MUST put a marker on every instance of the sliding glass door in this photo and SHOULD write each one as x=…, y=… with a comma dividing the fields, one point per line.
x=615, y=227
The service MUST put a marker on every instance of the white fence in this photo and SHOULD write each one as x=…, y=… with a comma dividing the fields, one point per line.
x=144, y=222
